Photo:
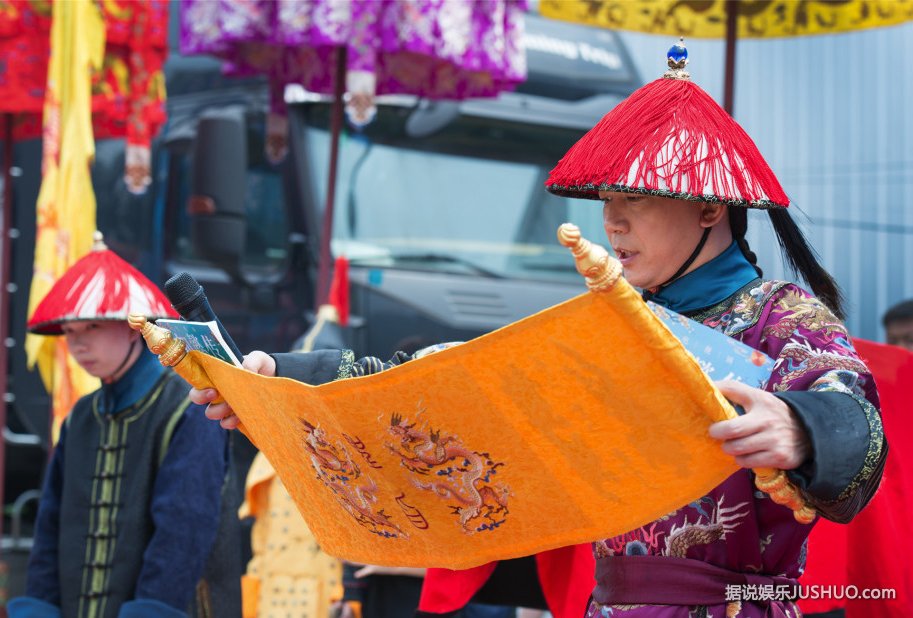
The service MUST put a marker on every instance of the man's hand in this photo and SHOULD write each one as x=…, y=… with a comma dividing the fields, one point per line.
x=768, y=435
x=258, y=362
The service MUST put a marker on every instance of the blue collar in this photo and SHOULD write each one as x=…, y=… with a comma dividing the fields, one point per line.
x=133, y=385
x=708, y=284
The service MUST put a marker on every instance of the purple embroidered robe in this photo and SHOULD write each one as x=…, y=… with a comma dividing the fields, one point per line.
x=735, y=526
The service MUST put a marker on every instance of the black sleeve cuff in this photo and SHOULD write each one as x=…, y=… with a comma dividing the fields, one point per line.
x=839, y=433
x=313, y=368
x=353, y=589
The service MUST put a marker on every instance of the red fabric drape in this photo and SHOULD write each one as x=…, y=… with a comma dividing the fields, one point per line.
x=446, y=591
x=565, y=574
x=874, y=549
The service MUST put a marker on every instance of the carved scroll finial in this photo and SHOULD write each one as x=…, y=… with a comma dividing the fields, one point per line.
x=776, y=484
x=159, y=340
x=593, y=262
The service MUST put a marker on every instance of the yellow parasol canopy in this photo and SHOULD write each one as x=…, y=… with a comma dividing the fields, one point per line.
x=754, y=18
x=732, y=20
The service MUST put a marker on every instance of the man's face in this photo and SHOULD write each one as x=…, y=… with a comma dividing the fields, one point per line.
x=652, y=236
x=900, y=333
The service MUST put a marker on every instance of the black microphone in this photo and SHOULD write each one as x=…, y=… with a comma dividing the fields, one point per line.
x=188, y=299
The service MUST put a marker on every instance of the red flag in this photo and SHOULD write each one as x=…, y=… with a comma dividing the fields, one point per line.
x=871, y=552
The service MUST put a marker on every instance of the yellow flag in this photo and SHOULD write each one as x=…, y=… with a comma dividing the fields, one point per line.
x=66, y=201
x=774, y=18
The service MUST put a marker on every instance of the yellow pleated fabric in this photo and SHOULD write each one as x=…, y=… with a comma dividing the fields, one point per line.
x=581, y=422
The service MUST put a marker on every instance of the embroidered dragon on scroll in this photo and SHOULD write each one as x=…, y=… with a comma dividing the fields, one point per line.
x=442, y=464
x=355, y=491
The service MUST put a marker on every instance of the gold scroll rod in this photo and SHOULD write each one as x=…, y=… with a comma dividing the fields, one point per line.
x=601, y=272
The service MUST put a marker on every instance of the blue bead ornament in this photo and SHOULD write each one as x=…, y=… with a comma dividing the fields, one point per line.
x=677, y=59
x=678, y=52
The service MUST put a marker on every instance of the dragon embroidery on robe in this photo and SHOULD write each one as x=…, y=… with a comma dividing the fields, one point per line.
x=811, y=313
x=679, y=538
x=722, y=521
x=796, y=360
x=444, y=465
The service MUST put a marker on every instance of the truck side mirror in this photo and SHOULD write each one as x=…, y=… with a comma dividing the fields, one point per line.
x=218, y=222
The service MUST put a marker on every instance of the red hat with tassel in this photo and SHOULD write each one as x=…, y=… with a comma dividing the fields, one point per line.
x=669, y=138
x=99, y=286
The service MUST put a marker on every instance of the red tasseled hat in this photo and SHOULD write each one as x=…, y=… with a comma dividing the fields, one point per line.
x=99, y=286
x=669, y=138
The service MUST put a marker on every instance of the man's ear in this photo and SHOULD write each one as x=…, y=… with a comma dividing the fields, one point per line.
x=712, y=213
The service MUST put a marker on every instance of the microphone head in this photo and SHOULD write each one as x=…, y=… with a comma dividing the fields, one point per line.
x=183, y=290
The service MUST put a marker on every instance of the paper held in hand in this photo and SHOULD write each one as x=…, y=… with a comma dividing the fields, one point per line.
x=202, y=336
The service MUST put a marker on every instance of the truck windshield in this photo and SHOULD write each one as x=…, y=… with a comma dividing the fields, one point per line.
x=468, y=198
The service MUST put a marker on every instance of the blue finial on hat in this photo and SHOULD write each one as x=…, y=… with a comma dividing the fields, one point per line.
x=677, y=59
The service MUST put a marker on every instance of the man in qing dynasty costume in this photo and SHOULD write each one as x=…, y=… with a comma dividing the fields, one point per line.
x=675, y=175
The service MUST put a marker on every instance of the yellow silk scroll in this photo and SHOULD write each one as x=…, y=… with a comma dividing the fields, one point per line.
x=581, y=422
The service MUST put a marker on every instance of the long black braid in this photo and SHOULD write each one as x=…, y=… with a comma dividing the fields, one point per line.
x=799, y=256
x=803, y=260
